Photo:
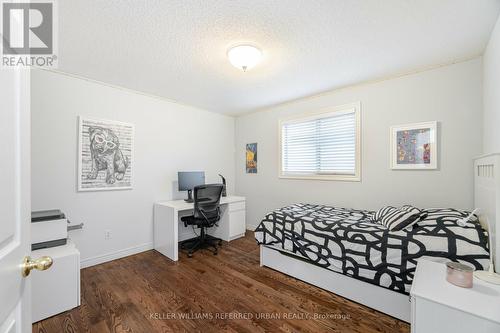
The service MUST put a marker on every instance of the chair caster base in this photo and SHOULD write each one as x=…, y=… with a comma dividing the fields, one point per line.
x=207, y=242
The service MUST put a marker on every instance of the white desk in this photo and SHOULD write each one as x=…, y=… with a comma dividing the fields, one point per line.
x=169, y=230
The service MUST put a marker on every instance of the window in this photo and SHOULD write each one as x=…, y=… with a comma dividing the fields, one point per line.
x=322, y=146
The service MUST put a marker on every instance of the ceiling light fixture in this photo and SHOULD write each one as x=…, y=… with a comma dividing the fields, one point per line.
x=244, y=56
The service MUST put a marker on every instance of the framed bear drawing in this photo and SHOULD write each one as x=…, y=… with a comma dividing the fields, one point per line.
x=105, y=155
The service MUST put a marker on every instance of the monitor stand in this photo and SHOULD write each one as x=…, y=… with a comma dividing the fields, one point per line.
x=190, y=197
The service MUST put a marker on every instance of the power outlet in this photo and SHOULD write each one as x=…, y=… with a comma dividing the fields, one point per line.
x=107, y=234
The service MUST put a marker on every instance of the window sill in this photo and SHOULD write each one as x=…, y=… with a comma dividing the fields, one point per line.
x=345, y=178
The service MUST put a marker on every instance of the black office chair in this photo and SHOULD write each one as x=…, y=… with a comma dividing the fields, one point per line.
x=206, y=215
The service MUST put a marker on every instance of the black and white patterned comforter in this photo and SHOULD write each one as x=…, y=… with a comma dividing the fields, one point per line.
x=348, y=242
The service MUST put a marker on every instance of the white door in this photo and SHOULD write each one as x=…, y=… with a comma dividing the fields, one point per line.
x=15, y=203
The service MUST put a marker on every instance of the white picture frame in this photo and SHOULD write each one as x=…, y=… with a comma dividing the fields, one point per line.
x=414, y=146
x=112, y=141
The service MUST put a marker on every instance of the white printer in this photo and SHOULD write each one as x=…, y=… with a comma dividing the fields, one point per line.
x=49, y=228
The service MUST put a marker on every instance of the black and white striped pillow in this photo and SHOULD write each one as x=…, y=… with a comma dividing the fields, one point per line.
x=396, y=219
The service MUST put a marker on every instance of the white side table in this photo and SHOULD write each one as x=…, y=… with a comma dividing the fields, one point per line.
x=57, y=289
x=439, y=306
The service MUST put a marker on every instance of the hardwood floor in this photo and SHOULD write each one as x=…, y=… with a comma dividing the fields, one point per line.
x=229, y=292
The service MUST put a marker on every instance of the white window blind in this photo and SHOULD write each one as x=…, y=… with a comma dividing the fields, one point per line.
x=322, y=145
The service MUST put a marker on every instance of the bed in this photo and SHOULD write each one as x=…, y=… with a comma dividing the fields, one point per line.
x=345, y=252
x=347, y=241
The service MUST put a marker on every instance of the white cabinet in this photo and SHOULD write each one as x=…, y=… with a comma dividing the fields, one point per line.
x=438, y=306
x=237, y=226
x=232, y=223
x=57, y=289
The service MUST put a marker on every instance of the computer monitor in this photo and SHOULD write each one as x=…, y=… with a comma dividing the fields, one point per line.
x=188, y=180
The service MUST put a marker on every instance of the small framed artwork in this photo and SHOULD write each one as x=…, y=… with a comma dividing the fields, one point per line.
x=105, y=155
x=414, y=146
x=251, y=158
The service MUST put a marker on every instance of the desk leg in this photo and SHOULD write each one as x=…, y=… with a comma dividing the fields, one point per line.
x=166, y=231
x=175, y=235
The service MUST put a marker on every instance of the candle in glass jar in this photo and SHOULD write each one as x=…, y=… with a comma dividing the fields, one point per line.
x=459, y=274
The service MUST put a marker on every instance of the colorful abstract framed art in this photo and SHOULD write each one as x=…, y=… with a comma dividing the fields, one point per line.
x=414, y=146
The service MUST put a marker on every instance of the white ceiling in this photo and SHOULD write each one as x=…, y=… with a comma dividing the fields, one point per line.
x=177, y=49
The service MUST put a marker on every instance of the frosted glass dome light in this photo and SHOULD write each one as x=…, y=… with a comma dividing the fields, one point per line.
x=244, y=56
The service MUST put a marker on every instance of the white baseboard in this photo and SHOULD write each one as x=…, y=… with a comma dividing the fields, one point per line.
x=251, y=227
x=115, y=255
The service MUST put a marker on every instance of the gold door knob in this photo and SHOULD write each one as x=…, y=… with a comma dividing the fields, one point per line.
x=41, y=264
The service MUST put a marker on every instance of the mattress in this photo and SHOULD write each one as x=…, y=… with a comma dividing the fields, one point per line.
x=347, y=241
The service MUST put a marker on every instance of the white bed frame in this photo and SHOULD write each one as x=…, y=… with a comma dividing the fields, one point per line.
x=486, y=197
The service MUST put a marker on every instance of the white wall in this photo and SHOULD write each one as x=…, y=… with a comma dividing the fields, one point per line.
x=451, y=95
x=169, y=137
x=491, y=99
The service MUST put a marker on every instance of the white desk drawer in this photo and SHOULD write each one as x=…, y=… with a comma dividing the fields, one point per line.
x=236, y=206
x=237, y=224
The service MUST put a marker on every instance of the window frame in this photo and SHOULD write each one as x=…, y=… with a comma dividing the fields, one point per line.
x=324, y=113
